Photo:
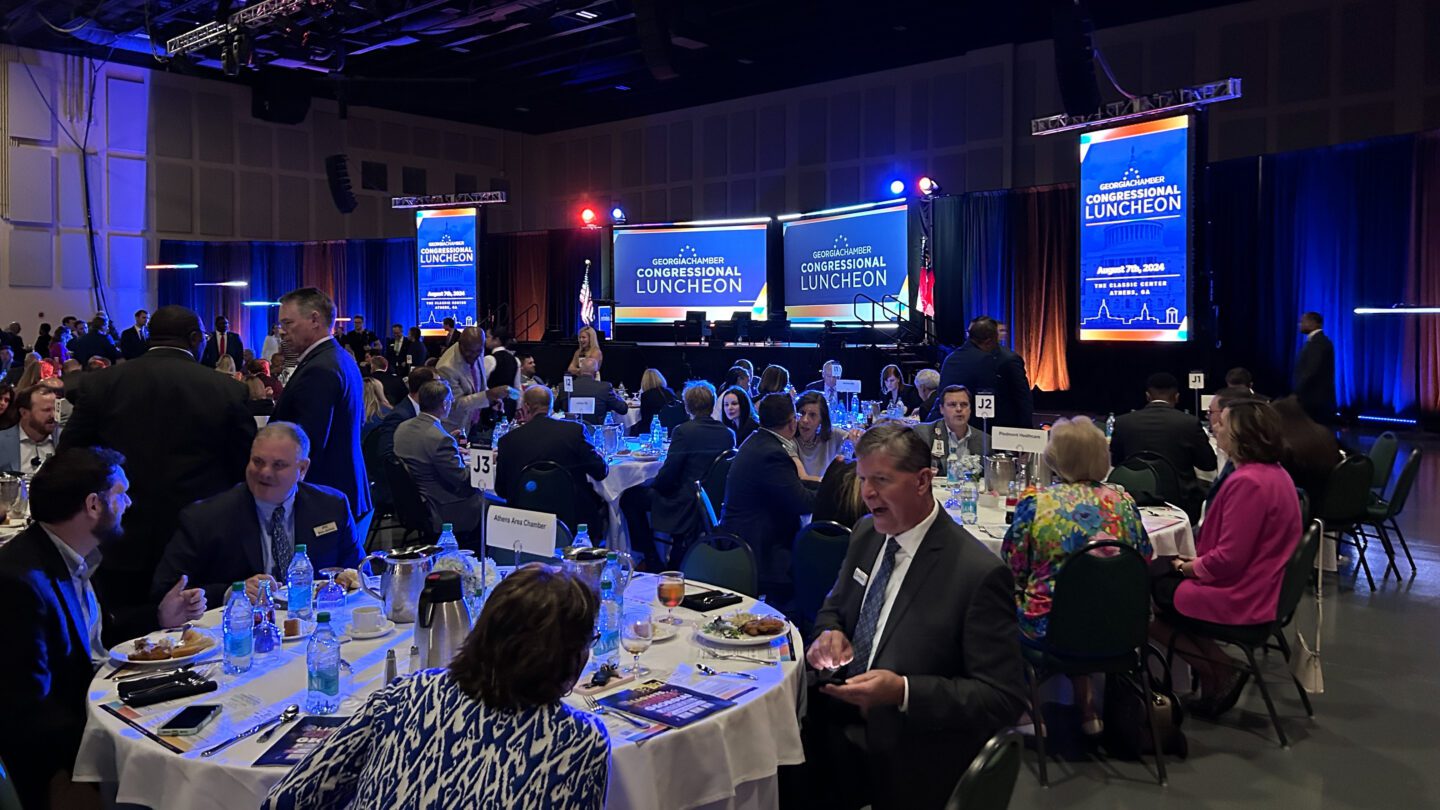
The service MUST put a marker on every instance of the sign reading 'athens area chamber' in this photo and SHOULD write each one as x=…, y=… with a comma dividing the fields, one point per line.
x=663, y=272
x=1134, y=231
x=830, y=260
x=445, y=278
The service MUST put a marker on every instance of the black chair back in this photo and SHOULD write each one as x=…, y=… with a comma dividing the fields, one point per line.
x=375, y=466
x=1382, y=455
x=1298, y=572
x=705, y=508
x=9, y=797
x=1139, y=482
x=990, y=780
x=410, y=508
x=672, y=415
x=1403, y=485
x=1166, y=477
x=1101, y=602
x=547, y=487
x=722, y=559
x=714, y=479
x=1347, y=492
x=819, y=552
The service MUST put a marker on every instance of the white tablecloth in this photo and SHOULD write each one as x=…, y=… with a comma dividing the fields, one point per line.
x=624, y=474
x=729, y=760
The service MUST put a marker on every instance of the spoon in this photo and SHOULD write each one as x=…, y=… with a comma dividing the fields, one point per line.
x=704, y=670
x=291, y=712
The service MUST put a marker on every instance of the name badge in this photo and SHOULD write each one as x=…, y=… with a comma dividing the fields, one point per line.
x=862, y=577
x=938, y=448
x=325, y=528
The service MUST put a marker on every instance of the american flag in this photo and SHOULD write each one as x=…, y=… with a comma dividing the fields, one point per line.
x=587, y=304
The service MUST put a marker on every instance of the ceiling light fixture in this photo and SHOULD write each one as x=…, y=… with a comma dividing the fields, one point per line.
x=172, y=267
x=586, y=15
x=222, y=284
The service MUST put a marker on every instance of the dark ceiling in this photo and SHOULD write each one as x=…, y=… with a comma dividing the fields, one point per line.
x=544, y=65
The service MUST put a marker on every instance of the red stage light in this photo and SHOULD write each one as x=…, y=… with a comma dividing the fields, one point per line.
x=587, y=216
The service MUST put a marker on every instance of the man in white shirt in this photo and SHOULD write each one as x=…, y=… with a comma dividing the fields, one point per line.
x=31, y=441
x=921, y=628
x=952, y=432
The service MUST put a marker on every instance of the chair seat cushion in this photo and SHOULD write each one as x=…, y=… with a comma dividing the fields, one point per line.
x=1378, y=509
x=1250, y=634
x=1048, y=662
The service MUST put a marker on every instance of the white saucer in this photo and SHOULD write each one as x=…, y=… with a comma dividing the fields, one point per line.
x=384, y=629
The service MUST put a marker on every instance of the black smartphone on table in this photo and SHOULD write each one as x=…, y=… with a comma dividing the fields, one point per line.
x=190, y=720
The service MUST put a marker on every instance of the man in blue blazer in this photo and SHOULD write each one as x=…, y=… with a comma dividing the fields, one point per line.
x=250, y=532
x=324, y=397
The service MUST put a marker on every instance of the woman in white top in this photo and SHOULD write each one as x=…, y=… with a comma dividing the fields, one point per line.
x=589, y=347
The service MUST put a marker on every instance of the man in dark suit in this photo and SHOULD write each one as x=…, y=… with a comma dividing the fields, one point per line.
x=541, y=438
x=1315, y=370
x=502, y=368
x=10, y=371
x=134, y=339
x=669, y=500
x=433, y=460
x=764, y=496
x=585, y=385
x=95, y=343
x=829, y=373
x=380, y=446
x=390, y=381
x=921, y=623
x=1161, y=428
x=927, y=387
x=402, y=352
x=324, y=397
x=982, y=365
x=952, y=432
x=52, y=629
x=250, y=531
x=223, y=341
x=11, y=337
x=183, y=428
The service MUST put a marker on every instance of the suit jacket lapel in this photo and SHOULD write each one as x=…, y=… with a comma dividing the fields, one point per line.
x=254, y=556
x=919, y=570
x=304, y=521
x=59, y=574
x=866, y=563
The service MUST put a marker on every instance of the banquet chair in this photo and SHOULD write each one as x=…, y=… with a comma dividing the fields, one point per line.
x=547, y=487
x=1251, y=637
x=1381, y=514
x=709, y=519
x=9, y=798
x=1099, y=620
x=673, y=415
x=722, y=559
x=990, y=780
x=715, y=475
x=385, y=515
x=1344, y=506
x=1167, y=480
x=1382, y=455
x=819, y=552
x=410, y=509
x=1140, y=482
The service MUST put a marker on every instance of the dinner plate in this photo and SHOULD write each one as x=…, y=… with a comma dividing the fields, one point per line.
x=377, y=633
x=660, y=631
x=306, y=629
x=643, y=457
x=747, y=641
x=120, y=653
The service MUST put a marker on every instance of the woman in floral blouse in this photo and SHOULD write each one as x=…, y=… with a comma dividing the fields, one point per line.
x=1052, y=523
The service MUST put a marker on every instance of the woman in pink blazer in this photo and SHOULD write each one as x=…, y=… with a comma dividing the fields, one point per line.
x=1250, y=532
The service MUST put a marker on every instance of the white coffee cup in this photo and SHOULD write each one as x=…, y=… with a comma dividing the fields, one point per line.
x=366, y=619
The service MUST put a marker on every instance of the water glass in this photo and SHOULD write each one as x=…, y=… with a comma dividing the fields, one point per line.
x=671, y=592
x=331, y=597
x=636, y=635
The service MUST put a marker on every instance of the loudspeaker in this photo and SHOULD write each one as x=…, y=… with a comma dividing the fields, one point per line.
x=1075, y=57
x=337, y=171
x=278, y=100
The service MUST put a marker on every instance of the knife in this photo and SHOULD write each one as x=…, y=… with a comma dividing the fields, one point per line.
x=258, y=727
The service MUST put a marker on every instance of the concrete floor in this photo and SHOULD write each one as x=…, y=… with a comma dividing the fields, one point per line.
x=1375, y=737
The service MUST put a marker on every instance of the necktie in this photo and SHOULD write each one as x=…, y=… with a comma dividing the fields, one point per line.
x=870, y=609
x=222, y=344
x=280, y=548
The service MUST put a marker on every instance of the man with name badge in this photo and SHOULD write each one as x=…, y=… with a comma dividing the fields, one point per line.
x=952, y=431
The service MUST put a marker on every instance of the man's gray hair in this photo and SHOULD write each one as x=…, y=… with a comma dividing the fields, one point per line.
x=900, y=442
x=927, y=378
x=286, y=430
x=312, y=299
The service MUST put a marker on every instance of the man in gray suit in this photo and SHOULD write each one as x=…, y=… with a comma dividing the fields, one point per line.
x=921, y=626
x=462, y=365
x=952, y=431
x=432, y=457
x=28, y=443
x=585, y=385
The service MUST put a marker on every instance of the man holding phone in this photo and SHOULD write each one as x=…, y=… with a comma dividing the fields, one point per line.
x=918, y=644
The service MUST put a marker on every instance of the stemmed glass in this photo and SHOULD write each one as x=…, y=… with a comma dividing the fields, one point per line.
x=331, y=597
x=636, y=634
x=671, y=591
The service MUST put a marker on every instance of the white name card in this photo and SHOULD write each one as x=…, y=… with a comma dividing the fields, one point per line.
x=482, y=468
x=847, y=386
x=1197, y=380
x=985, y=406
x=1023, y=440
x=1205, y=400
x=581, y=405
x=507, y=528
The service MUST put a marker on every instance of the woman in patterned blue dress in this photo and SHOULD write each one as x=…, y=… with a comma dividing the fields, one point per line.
x=489, y=732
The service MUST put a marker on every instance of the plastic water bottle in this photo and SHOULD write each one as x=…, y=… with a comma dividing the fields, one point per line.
x=239, y=631
x=267, y=635
x=322, y=668
x=501, y=428
x=607, y=624
x=582, y=536
x=447, y=541
x=969, y=501
x=612, y=573
x=1110, y=426
x=655, y=431
x=609, y=417
x=952, y=466
x=300, y=579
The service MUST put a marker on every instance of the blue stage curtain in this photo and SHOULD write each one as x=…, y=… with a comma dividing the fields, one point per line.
x=985, y=240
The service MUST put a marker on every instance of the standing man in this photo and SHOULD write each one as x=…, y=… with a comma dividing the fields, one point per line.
x=502, y=369
x=1315, y=370
x=982, y=365
x=402, y=352
x=95, y=343
x=223, y=341
x=31, y=441
x=324, y=397
x=462, y=365
x=921, y=623
x=133, y=339
x=184, y=431
x=360, y=339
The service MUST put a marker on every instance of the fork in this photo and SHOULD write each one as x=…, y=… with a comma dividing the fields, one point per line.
x=738, y=657
x=597, y=708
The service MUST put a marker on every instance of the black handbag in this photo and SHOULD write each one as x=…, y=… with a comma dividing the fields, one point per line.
x=1127, y=725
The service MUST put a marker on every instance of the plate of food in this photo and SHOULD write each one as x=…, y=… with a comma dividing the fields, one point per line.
x=660, y=631
x=165, y=647
x=641, y=456
x=743, y=629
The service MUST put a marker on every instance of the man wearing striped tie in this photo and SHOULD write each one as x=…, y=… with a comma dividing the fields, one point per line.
x=918, y=644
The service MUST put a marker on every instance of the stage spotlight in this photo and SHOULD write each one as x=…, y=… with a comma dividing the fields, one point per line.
x=587, y=217
x=897, y=187
x=928, y=187
x=617, y=215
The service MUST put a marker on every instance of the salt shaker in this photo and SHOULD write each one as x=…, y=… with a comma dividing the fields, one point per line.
x=392, y=667
x=414, y=665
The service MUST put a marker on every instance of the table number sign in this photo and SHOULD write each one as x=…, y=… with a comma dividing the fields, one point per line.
x=985, y=406
x=482, y=468
x=569, y=383
x=1197, y=380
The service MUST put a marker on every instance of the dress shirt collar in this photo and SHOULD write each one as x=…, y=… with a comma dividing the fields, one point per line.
x=312, y=347
x=911, y=538
x=959, y=440
x=1311, y=335
x=185, y=352
x=414, y=403
x=267, y=508
x=79, y=567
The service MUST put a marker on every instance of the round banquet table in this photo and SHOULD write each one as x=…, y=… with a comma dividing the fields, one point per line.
x=1167, y=526
x=624, y=474
x=727, y=760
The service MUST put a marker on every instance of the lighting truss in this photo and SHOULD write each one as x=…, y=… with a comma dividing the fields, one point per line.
x=1165, y=101
x=447, y=200
x=249, y=17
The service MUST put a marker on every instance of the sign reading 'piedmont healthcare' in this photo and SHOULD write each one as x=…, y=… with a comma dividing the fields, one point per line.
x=1134, y=232
x=445, y=241
x=662, y=273
x=829, y=260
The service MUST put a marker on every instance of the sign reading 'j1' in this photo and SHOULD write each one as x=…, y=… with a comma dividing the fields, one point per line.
x=830, y=260
x=662, y=273
x=1134, y=232
x=445, y=241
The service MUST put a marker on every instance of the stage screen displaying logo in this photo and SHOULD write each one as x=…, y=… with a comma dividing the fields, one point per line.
x=662, y=273
x=445, y=241
x=1135, y=232
x=829, y=260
